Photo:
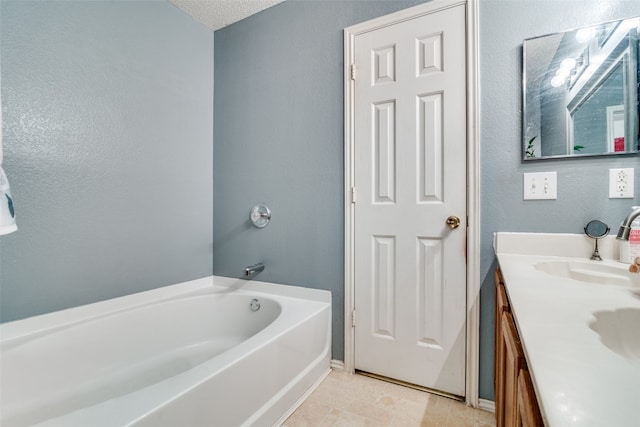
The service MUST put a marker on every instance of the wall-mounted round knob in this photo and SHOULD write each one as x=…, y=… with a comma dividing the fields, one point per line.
x=260, y=215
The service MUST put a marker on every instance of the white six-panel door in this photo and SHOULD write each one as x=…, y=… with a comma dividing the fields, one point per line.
x=410, y=176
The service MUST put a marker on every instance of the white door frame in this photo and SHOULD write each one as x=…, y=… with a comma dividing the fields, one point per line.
x=473, y=181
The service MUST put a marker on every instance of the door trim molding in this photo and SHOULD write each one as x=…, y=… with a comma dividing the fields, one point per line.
x=473, y=182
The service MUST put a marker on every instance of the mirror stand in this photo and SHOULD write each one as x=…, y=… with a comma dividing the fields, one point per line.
x=596, y=230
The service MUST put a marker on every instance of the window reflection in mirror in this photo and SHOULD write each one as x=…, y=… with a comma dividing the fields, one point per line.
x=580, y=92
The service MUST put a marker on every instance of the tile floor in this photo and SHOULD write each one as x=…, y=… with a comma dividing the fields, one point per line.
x=344, y=400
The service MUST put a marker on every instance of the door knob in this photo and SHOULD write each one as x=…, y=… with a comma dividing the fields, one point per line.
x=453, y=222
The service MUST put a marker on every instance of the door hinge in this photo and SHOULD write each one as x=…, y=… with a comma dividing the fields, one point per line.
x=353, y=71
x=353, y=319
x=353, y=194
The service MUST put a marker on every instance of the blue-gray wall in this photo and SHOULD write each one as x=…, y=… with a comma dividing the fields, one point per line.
x=279, y=140
x=582, y=183
x=108, y=129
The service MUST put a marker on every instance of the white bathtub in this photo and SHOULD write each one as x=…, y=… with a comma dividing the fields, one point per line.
x=192, y=354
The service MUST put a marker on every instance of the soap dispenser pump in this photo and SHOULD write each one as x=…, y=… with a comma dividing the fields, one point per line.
x=629, y=236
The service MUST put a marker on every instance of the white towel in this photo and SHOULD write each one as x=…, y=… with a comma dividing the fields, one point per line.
x=7, y=213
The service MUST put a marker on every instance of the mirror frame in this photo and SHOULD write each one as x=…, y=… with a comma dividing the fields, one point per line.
x=623, y=54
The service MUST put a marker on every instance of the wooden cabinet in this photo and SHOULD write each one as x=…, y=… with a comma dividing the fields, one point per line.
x=516, y=403
x=501, y=306
x=513, y=362
x=528, y=411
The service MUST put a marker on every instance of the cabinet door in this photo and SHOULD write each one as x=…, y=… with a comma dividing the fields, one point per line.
x=501, y=306
x=514, y=361
x=528, y=410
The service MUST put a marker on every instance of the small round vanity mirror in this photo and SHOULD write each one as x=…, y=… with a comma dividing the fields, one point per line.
x=596, y=229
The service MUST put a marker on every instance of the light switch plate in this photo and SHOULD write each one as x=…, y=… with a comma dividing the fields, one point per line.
x=540, y=186
x=621, y=183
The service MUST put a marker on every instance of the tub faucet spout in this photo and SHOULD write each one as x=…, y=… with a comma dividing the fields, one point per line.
x=253, y=269
x=625, y=227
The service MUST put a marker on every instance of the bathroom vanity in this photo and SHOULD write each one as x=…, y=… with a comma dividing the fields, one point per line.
x=567, y=338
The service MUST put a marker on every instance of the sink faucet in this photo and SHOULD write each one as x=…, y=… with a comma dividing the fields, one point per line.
x=625, y=227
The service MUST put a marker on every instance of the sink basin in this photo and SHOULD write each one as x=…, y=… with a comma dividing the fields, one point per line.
x=591, y=271
x=618, y=330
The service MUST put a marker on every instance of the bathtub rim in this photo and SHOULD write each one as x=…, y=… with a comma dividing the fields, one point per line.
x=46, y=323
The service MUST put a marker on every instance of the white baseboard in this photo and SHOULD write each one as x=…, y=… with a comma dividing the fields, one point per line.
x=337, y=365
x=487, y=405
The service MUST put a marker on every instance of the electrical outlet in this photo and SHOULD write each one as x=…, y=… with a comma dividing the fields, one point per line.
x=540, y=186
x=621, y=183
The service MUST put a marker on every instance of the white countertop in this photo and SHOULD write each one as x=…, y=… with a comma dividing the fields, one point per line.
x=578, y=380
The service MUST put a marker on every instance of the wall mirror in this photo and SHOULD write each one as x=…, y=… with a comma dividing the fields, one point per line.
x=580, y=92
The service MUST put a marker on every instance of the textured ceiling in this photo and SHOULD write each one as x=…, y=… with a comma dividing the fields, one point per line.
x=216, y=14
